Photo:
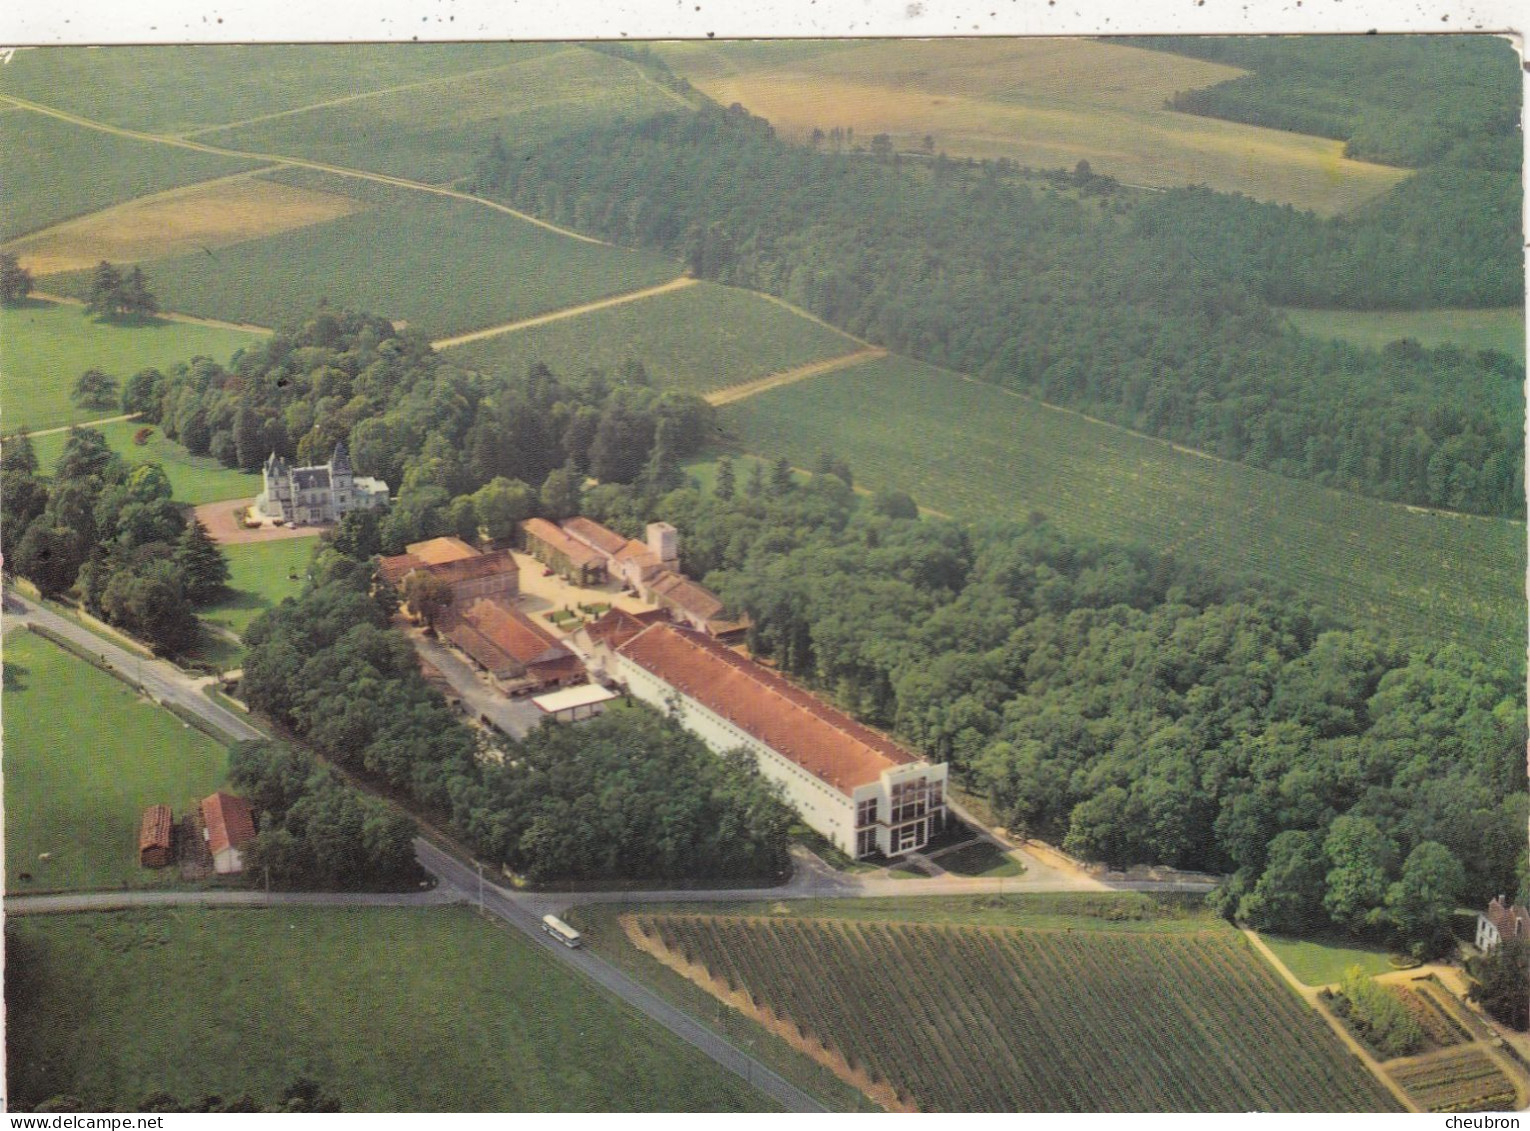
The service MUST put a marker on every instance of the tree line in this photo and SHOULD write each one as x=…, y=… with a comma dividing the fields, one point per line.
x=113, y=531
x=628, y=796
x=1133, y=708
x=461, y=450
x=1150, y=310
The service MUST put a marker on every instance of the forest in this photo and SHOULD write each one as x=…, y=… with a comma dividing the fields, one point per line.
x=1154, y=311
x=1132, y=707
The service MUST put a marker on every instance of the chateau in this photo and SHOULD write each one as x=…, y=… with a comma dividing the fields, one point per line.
x=322, y=493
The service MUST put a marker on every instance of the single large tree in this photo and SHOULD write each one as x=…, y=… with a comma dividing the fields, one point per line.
x=15, y=280
x=1361, y=857
x=204, y=569
x=428, y=596
x=1420, y=903
x=1501, y=982
x=95, y=390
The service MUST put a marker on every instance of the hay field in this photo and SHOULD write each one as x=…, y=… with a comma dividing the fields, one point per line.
x=979, y=452
x=698, y=339
x=53, y=170
x=1043, y=103
x=434, y=133
x=187, y=220
x=181, y=89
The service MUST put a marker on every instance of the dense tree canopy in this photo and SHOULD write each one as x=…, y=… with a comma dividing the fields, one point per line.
x=1041, y=286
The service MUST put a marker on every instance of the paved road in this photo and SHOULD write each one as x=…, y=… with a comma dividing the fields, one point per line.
x=124, y=900
x=161, y=680
x=517, y=911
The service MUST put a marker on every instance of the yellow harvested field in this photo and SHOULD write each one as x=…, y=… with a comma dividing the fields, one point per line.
x=203, y=216
x=1044, y=103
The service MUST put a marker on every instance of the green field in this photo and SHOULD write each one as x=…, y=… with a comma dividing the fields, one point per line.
x=1322, y=962
x=445, y=266
x=980, y=453
x=84, y=756
x=53, y=170
x=391, y=1009
x=434, y=133
x=957, y=1018
x=178, y=89
x=981, y=859
x=1501, y=330
x=45, y=346
x=193, y=479
x=698, y=339
x=260, y=577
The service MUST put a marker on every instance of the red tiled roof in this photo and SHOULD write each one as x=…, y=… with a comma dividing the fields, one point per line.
x=154, y=832
x=451, y=570
x=822, y=740
x=587, y=530
x=635, y=551
x=556, y=538
x=438, y=550
x=502, y=638
x=1512, y=922
x=618, y=626
x=685, y=594
x=228, y=821
x=394, y=569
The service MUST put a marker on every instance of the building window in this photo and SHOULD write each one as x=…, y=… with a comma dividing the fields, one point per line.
x=866, y=813
x=937, y=794
x=865, y=842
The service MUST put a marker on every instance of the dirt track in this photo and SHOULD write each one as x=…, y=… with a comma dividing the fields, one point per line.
x=748, y=389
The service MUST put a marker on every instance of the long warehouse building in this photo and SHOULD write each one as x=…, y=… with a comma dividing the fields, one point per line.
x=854, y=786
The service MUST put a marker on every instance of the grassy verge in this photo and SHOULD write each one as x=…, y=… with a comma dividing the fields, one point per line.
x=45, y=346
x=979, y=453
x=85, y=754
x=392, y=1009
x=603, y=934
x=981, y=859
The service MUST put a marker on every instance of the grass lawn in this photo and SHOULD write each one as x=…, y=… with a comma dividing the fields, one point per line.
x=444, y=266
x=1046, y=103
x=53, y=170
x=392, y=1009
x=84, y=756
x=1321, y=962
x=174, y=89
x=981, y=859
x=1502, y=330
x=194, y=479
x=435, y=132
x=45, y=346
x=981, y=453
x=261, y=575
x=698, y=339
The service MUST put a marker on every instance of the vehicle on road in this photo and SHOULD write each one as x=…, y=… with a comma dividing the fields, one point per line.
x=561, y=931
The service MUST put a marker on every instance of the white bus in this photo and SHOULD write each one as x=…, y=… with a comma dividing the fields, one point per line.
x=560, y=930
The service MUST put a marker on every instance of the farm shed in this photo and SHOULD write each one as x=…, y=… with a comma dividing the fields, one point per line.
x=227, y=826
x=574, y=703
x=154, y=833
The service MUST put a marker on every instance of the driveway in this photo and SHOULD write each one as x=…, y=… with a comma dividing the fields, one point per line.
x=223, y=525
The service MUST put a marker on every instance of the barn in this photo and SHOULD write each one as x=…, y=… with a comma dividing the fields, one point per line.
x=155, y=849
x=227, y=826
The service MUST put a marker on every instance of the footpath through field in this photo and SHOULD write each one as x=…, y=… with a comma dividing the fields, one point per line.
x=299, y=162
x=567, y=312
x=747, y=389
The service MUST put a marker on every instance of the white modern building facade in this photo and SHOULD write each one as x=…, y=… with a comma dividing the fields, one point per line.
x=857, y=788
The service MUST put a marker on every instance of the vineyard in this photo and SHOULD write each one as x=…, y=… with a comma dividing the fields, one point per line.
x=1463, y=1079
x=984, y=453
x=941, y=1018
